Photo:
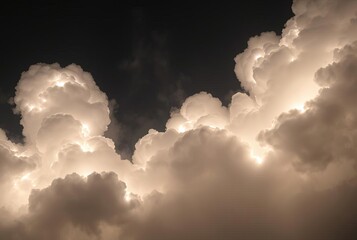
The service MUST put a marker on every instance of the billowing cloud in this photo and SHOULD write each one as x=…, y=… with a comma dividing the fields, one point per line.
x=73, y=208
x=199, y=110
x=278, y=162
x=211, y=189
x=14, y=170
x=45, y=90
x=325, y=132
x=64, y=116
x=278, y=72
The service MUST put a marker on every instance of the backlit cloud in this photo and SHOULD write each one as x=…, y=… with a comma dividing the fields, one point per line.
x=279, y=162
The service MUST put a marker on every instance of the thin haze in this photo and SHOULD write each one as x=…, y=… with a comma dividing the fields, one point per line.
x=279, y=162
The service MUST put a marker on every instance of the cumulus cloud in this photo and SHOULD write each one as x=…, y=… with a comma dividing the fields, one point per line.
x=73, y=207
x=278, y=162
x=14, y=168
x=278, y=72
x=201, y=109
x=325, y=132
x=214, y=190
x=45, y=90
x=11, y=164
x=64, y=116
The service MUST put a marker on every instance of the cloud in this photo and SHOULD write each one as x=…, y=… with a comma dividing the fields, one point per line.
x=278, y=72
x=14, y=167
x=325, y=131
x=278, y=162
x=64, y=115
x=211, y=188
x=45, y=90
x=201, y=109
x=73, y=206
x=10, y=163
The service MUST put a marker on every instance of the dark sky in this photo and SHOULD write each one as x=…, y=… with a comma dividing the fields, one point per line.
x=148, y=58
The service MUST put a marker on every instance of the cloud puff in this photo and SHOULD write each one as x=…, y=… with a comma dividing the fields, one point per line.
x=201, y=109
x=278, y=72
x=73, y=207
x=325, y=131
x=45, y=90
x=11, y=160
x=64, y=116
x=14, y=167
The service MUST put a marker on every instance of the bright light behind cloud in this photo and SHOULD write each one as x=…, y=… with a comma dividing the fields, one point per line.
x=299, y=107
x=181, y=129
x=60, y=83
x=85, y=130
x=237, y=167
x=258, y=159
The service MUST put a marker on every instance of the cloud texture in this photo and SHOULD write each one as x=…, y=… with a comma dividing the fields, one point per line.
x=278, y=163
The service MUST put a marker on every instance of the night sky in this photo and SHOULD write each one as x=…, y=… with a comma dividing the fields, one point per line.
x=147, y=57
